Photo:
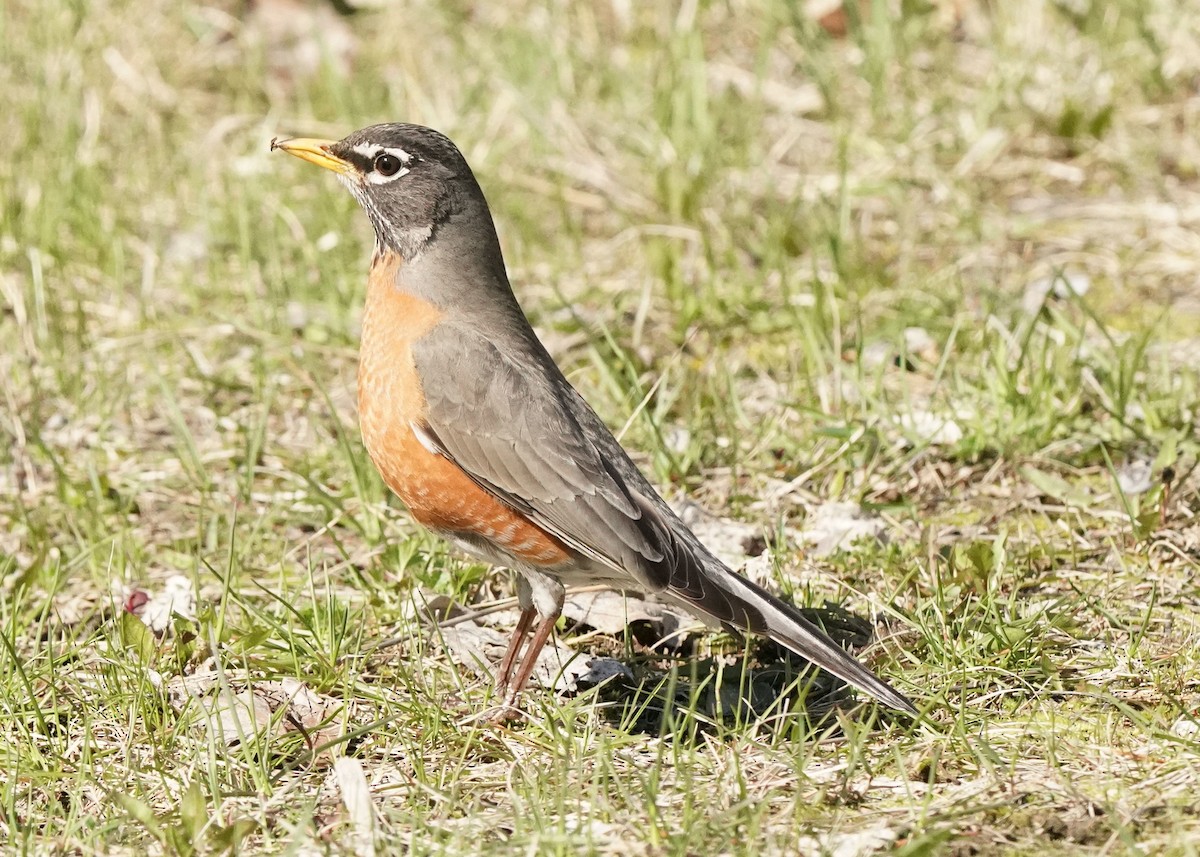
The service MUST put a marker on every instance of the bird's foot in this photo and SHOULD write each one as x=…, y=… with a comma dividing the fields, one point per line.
x=496, y=715
x=502, y=714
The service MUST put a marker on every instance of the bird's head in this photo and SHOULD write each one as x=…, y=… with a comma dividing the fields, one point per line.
x=408, y=178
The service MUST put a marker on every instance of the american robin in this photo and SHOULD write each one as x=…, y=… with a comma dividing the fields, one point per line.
x=471, y=423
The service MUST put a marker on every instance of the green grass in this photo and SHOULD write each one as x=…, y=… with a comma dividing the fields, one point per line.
x=723, y=221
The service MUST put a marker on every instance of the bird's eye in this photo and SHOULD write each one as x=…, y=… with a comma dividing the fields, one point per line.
x=388, y=165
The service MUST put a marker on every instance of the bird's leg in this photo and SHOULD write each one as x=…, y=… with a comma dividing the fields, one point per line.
x=504, y=671
x=540, y=636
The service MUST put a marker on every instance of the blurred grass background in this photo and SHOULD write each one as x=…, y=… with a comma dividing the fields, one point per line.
x=941, y=266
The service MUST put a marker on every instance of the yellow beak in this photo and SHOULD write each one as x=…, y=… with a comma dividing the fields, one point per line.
x=315, y=152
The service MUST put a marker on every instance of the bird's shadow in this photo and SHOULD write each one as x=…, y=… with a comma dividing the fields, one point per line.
x=761, y=685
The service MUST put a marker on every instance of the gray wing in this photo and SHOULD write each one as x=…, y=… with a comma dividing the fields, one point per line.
x=509, y=423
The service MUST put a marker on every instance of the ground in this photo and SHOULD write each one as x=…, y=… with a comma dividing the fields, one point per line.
x=929, y=268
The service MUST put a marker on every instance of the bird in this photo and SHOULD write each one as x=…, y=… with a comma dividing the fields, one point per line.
x=472, y=424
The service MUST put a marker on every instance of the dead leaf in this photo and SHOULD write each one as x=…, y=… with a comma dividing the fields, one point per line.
x=182, y=689
x=730, y=540
x=850, y=843
x=356, y=796
x=237, y=717
x=832, y=527
x=73, y=607
x=614, y=613
x=279, y=706
x=611, y=612
x=305, y=710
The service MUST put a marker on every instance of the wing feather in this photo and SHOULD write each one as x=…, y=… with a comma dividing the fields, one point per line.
x=514, y=433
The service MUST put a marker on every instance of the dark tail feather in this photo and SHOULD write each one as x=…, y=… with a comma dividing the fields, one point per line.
x=737, y=601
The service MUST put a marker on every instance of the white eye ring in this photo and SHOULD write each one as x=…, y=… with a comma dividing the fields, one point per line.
x=387, y=164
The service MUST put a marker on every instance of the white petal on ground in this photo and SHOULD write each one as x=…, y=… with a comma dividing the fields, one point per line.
x=177, y=598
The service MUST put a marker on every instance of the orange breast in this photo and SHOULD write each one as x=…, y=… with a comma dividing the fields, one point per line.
x=391, y=400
